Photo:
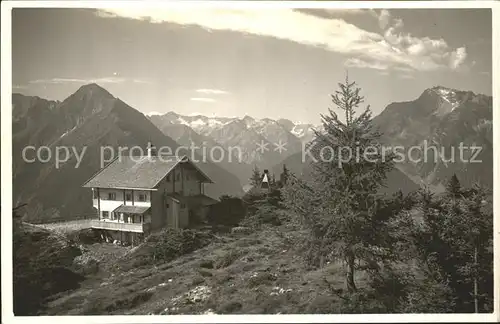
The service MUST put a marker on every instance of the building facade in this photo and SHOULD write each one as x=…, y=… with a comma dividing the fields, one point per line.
x=135, y=196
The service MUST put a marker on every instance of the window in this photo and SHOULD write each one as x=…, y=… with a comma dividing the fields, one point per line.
x=111, y=196
x=105, y=214
x=96, y=193
x=142, y=197
x=128, y=197
x=183, y=206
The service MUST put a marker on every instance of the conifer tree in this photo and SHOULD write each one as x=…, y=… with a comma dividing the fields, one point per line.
x=285, y=174
x=256, y=177
x=346, y=180
x=453, y=245
x=453, y=187
x=468, y=231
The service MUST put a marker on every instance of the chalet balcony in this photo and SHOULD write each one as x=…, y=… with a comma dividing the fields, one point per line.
x=120, y=226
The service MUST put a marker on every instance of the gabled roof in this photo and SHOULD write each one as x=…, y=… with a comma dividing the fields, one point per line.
x=138, y=172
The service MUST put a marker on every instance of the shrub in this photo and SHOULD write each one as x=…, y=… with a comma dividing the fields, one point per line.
x=228, y=211
x=264, y=214
x=263, y=278
x=205, y=272
x=104, y=304
x=198, y=280
x=222, y=277
x=429, y=296
x=85, y=236
x=172, y=243
x=42, y=263
x=85, y=265
x=227, y=259
x=262, y=208
x=207, y=264
x=360, y=302
x=229, y=307
x=322, y=305
x=241, y=230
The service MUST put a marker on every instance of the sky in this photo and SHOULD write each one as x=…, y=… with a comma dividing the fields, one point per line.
x=266, y=63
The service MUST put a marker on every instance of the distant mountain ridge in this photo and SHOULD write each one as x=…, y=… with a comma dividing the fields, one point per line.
x=204, y=125
x=238, y=137
x=443, y=118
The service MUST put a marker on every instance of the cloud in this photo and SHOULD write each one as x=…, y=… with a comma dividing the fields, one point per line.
x=337, y=12
x=398, y=23
x=56, y=81
x=105, y=80
x=389, y=48
x=212, y=91
x=347, y=11
x=359, y=63
x=141, y=81
x=203, y=99
x=383, y=18
x=458, y=58
x=406, y=76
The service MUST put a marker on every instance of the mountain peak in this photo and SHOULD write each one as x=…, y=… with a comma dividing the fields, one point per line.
x=248, y=121
x=286, y=123
x=87, y=100
x=438, y=87
x=172, y=114
x=247, y=118
x=94, y=90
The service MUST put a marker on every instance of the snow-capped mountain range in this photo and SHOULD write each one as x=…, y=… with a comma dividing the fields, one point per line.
x=244, y=133
x=204, y=125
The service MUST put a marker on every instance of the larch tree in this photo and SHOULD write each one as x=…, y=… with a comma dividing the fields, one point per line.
x=348, y=169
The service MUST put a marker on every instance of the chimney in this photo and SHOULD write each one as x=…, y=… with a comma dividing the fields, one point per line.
x=151, y=150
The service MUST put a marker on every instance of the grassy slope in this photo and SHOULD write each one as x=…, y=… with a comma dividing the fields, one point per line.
x=251, y=274
x=42, y=263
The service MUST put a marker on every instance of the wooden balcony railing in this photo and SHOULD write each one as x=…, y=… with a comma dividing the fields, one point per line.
x=125, y=227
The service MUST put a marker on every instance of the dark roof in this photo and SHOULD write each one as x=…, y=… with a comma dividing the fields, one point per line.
x=137, y=172
x=131, y=209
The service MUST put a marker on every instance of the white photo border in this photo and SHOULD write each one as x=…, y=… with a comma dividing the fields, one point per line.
x=6, y=165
